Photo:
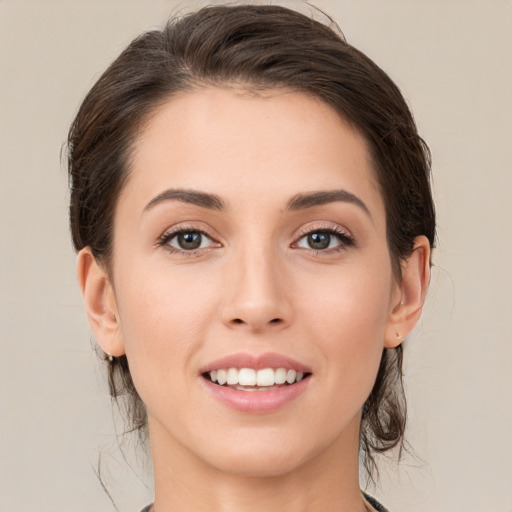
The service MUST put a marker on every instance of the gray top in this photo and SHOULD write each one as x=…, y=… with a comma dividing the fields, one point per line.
x=372, y=501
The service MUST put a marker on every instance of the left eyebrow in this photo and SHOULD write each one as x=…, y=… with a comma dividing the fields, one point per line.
x=211, y=201
x=311, y=199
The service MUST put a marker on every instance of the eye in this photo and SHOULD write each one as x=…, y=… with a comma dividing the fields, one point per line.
x=325, y=239
x=187, y=240
x=319, y=241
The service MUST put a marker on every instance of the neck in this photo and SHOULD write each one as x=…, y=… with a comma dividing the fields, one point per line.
x=329, y=481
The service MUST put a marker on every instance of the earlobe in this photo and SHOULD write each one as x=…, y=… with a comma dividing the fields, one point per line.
x=100, y=303
x=411, y=291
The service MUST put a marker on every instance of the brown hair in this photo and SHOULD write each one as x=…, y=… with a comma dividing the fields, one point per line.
x=257, y=48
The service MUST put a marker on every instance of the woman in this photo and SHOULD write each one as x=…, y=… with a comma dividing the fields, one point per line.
x=251, y=207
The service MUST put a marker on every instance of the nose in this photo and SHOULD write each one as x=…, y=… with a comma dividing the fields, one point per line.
x=257, y=295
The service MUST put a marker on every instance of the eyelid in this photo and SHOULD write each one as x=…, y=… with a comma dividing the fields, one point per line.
x=344, y=235
x=326, y=226
x=170, y=233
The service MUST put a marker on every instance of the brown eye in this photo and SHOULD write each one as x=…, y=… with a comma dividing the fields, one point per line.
x=189, y=240
x=319, y=241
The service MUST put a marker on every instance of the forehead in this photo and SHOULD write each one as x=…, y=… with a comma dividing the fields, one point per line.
x=230, y=141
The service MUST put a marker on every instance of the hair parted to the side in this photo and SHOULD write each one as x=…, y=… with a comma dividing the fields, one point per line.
x=253, y=47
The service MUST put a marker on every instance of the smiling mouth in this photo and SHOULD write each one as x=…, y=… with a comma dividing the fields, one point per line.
x=249, y=379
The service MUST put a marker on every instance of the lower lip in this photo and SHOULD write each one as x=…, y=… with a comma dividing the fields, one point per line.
x=257, y=402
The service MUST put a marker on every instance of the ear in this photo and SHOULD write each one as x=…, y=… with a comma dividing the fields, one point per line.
x=100, y=303
x=409, y=296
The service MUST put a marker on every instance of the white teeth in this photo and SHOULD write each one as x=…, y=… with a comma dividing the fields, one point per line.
x=265, y=377
x=247, y=377
x=268, y=378
x=290, y=376
x=280, y=376
x=256, y=388
x=232, y=377
x=221, y=377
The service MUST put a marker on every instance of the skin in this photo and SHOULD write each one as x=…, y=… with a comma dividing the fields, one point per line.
x=254, y=286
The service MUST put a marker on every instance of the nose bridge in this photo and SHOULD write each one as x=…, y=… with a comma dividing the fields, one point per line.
x=258, y=297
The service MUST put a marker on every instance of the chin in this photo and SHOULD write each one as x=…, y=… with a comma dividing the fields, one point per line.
x=253, y=465
x=270, y=455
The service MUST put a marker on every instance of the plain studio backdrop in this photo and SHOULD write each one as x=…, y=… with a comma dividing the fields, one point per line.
x=452, y=60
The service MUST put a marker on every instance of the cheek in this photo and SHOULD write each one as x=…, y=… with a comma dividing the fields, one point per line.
x=163, y=298
x=349, y=303
x=348, y=317
x=165, y=315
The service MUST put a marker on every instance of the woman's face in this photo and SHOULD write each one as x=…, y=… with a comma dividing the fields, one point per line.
x=251, y=234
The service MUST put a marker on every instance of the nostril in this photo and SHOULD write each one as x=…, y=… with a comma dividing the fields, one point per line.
x=257, y=323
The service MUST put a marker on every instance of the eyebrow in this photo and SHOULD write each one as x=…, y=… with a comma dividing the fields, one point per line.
x=297, y=202
x=203, y=199
x=311, y=199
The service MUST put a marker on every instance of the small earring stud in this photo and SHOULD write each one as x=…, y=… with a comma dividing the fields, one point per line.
x=398, y=336
x=110, y=357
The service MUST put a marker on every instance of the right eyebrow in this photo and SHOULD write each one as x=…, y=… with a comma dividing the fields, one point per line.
x=311, y=199
x=203, y=199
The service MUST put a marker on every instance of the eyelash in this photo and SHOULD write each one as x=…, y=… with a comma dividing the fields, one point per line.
x=164, y=240
x=345, y=240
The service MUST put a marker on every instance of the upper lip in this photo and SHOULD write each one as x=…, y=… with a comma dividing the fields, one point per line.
x=257, y=362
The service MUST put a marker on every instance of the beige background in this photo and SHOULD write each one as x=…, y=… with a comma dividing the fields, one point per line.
x=452, y=59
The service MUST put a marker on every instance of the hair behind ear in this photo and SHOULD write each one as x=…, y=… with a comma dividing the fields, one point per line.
x=385, y=411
